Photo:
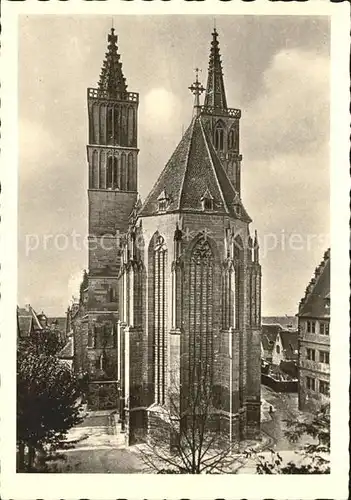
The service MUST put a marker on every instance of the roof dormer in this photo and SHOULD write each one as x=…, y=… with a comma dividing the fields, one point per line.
x=207, y=200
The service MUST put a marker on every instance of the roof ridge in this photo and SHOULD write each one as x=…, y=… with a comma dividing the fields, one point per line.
x=213, y=167
x=192, y=125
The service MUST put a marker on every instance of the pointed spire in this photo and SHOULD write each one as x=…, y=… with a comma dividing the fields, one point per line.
x=111, y=77
x=215, y=93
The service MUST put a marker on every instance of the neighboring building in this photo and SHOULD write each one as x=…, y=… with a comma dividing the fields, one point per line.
x=66, y=354
x=286, y=322
x=185, y=288
x=285, y=347
x=27, y=321
x=268, y=336
x=314, y=339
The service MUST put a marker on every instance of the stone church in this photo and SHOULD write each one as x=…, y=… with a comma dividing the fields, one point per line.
x=174, y=282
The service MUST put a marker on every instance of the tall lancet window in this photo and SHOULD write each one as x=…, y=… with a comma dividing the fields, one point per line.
x=115, y=173
x=200, y=308
x=160, y=318
x=219, y=136
x=238, y=256
x=231, y=138
x=95, y=169
x=109, y=177
x=109, y=125
x=116, y=125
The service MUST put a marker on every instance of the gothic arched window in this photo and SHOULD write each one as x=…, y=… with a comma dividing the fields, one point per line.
x=112, y=294
x=238, y=255
x=160, y=317
x=201, y=275
x=109, y=172
x=109, y=125
x=94, y=124
x=116, y=125
x=115, y=173
x=231, y=139
x=130, y=185
x=123, y=185
x=95, y=170
x=219, y=136
x=102, y=170
x=130, y=126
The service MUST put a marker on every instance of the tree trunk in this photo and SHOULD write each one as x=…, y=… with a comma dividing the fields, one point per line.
x=20, y=458
x=31, y=457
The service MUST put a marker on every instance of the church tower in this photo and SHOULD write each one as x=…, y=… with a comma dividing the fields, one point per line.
x=191, y=287
x=112, y=192
x=222, y=122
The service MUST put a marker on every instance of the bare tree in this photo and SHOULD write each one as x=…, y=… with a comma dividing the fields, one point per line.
x=188, y=434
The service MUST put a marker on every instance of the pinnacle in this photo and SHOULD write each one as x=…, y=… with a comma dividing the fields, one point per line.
x=215, y=92
x=112, y=79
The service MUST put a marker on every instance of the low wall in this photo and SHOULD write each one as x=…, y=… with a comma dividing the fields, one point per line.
x=279, y=385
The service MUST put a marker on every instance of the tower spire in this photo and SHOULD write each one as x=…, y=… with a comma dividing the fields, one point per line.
x=111, y=77
x=197, y=88
x=215, y=92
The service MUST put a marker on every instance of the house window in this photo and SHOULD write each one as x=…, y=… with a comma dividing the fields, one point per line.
x=324, y=387
x=277, y=348
x=311, y=327
x=324, y=357
x=324, y=328
x=311, y=383
x=311, y=354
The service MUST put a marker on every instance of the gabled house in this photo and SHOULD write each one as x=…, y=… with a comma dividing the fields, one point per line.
x=268, y=337
x=285, y=347
x=28, y=321
x=314, y=339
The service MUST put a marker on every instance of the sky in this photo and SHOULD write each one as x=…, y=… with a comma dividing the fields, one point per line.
x=276, y=70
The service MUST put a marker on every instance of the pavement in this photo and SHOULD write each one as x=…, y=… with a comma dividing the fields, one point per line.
x=98, y=444
x=284, y=407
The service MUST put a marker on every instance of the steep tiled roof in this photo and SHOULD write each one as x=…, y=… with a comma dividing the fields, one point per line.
x=27, y=320
x=290, y=344
x=315, y=303
x=194, y=169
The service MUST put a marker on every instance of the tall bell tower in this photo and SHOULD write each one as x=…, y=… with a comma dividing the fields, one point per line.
x=112, y=152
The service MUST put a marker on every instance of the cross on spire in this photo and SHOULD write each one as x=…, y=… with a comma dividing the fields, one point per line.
x=197, y=88
x=112, y=38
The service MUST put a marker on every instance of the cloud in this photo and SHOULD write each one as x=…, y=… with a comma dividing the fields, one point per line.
x=160, y=108
x=37, y=147
x=292, y=112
